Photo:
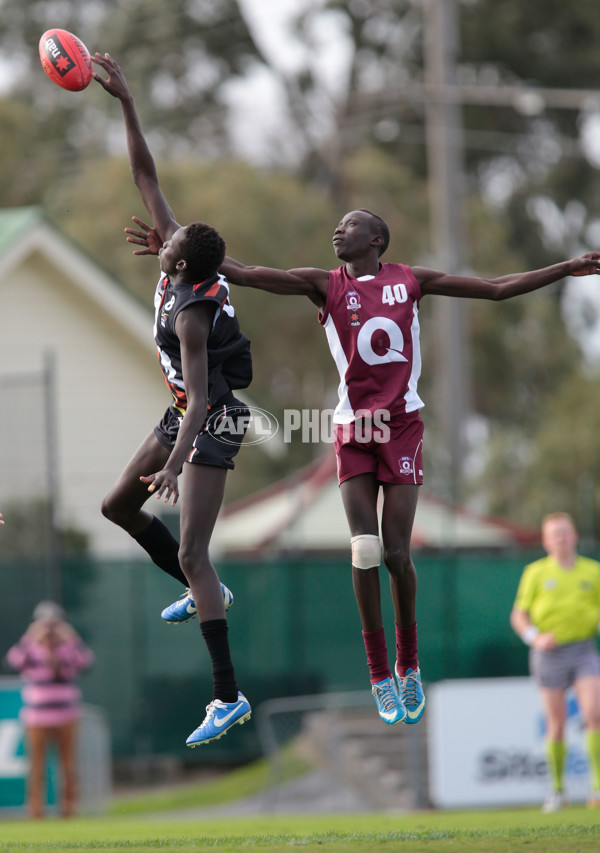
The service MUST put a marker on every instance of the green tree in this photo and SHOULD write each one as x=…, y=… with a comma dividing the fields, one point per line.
x=364, y=146
x=555, y=465
x=179, y=57
x=26, y=533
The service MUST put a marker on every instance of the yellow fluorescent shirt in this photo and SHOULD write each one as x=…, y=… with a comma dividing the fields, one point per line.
x=564, y=601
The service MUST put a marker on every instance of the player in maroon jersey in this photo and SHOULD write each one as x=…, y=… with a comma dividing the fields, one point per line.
x=370, y=314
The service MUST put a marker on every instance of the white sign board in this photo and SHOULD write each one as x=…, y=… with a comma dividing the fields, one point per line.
x=13, y=761
x=487, y=745
x=93, y=755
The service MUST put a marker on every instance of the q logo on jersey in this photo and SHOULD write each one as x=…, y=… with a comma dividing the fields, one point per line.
x=352, y=300
x=380, y=341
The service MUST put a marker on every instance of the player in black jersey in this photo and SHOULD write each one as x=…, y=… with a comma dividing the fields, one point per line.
x=203, y=356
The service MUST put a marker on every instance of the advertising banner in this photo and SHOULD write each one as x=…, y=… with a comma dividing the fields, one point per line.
x=487, y=745
x=13, y=761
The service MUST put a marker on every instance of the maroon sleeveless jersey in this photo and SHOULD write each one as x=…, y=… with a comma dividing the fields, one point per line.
x=372, y=328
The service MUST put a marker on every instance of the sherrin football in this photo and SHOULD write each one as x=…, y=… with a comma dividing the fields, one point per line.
x=65, y=59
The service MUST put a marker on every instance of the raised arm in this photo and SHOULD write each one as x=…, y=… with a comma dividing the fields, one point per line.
x=141, y=161
x=507, y=286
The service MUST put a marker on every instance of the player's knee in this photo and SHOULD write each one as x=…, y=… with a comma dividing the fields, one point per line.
x=366, y=551
x=194, y=560
x=113, y=511
x=397, y=560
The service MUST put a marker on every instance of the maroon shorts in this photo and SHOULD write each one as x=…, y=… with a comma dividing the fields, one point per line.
x=394, y=453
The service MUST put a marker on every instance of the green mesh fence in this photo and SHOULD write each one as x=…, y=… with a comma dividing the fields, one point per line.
x=294, y=629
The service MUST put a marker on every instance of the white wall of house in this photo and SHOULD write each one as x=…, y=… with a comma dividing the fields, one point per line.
x=109, y=389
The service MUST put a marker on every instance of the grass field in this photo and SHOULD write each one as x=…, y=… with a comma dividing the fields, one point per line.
x=175, y=819
x=575, y=830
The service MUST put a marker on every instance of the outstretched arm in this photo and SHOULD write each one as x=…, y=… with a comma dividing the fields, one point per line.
x=141, y=161
x=305, y=281
x=507, y=286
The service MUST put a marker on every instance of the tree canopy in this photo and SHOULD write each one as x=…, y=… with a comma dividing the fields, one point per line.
x=532, y=179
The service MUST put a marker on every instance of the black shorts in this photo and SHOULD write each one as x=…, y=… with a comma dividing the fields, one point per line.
x=220, y=438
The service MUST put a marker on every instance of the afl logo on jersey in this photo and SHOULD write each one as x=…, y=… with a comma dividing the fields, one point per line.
x=352, y=300
x=406, y=466
x=380, y=341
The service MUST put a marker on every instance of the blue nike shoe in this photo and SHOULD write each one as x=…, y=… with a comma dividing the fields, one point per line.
x=220, y=717
x=184, y=608
x=389, y=704
x=411, y=691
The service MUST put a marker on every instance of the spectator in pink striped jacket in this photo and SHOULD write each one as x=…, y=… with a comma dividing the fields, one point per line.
x=49, y=657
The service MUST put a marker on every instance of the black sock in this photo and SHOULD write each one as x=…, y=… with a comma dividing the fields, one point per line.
x=224, y=684
x=162, y=548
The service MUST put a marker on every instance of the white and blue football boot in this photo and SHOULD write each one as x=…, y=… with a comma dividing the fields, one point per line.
x=389, y=704
x=184, y=608
x=411, y=691
x=220, y=717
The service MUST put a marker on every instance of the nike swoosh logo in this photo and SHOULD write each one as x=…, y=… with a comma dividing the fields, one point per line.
x=190, y=608
x=220, y=721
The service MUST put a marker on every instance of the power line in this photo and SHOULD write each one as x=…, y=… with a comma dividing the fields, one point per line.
x=527, y=100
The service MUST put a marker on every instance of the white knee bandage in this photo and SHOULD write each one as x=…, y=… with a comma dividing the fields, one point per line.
x=366, y=551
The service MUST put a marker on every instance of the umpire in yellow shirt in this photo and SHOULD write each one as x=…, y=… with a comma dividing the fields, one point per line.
x=556, y=613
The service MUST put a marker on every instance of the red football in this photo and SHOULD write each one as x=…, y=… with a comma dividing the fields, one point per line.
x=65, y=59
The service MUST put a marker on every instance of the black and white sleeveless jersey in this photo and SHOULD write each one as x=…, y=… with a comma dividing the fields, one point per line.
x=229, y=359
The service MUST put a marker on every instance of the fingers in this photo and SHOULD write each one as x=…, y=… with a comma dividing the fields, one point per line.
x=99, y=60
x=139, y=238
x=594, y=259
x=140, y=242
x=115, y=75
x=105, y=60
x=164, y=490
x=141, y=223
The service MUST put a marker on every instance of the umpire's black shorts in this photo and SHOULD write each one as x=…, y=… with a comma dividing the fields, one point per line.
x=220, y=438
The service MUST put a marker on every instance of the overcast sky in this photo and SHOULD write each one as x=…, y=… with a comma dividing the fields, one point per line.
x=260, y=94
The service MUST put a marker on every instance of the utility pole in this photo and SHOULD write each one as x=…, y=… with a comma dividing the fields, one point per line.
x=54, y=557
x=452, y=384
x=442, y=98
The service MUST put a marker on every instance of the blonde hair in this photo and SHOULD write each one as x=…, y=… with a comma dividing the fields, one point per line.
x=554, y=516
x=48, y=611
